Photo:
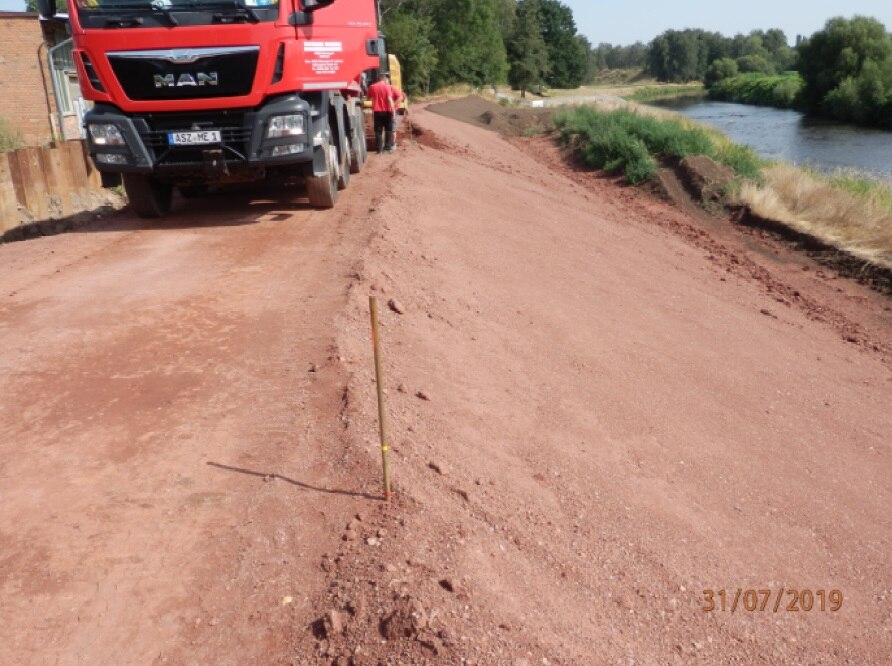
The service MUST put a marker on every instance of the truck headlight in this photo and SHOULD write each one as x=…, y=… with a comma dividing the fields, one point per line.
x=106, y=134
x=283, y=126
x=111, y=158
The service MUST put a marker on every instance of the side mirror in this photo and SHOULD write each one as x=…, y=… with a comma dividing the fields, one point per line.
x=47, y=8
x=313, y=5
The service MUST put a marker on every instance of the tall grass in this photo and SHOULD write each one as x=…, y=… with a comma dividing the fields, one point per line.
x=630, y=143
x=10, y=139
x=844, y=210
x=651, y=93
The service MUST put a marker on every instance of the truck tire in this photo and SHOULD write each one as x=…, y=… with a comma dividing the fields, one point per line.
x=322, y=191
x=357, y=146
x=148, y=196
x=345, y=166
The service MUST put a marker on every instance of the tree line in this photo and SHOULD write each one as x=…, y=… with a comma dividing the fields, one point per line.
x=527, y=43
x=843, y=71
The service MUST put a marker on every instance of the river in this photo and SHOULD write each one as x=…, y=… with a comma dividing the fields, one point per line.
x=790, y=136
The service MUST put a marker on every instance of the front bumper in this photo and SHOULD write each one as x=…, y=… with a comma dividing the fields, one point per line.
x=243, y=145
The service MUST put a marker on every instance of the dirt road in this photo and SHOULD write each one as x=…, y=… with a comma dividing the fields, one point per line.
x=601, y=407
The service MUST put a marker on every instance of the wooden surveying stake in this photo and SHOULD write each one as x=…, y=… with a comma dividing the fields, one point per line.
x=382, y=417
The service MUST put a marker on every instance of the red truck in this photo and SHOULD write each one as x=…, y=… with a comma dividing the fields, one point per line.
x=194, y=93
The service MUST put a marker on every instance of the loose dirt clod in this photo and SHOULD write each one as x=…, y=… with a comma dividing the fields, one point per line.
x=334, y=624
x=405, y=620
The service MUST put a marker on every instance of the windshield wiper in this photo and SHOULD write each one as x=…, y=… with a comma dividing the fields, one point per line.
x=166, y=12
x=240, y=10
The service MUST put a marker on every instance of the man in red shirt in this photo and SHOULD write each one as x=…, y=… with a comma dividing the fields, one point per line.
x=384, y=102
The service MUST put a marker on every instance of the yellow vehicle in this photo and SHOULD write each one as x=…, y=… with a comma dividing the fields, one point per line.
x=396, y=80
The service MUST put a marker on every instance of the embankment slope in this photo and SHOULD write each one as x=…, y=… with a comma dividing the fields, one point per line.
x=600, y=408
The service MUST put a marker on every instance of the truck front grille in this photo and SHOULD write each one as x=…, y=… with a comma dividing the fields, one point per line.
x=233, y=125
x=185, y=73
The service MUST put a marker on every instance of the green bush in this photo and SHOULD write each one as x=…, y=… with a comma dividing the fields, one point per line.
x=780, y=90
x=10, y=139
x=628, y=143
x=754, y=64
x=723, y=68
x=785, y=92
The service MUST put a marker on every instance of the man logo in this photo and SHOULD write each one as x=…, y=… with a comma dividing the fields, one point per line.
x=199, y=79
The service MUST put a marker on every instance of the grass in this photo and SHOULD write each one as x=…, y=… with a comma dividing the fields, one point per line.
x=651, y=93
x=625, y=141
x=845, y=209
x=10, y=139
x=856, y=183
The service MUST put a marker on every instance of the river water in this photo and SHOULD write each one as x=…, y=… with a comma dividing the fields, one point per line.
x=790, y=136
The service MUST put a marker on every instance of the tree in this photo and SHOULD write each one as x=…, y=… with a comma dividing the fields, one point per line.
x=408, y=37
x=505, y=11
x=723, y=68
x=683, y=56
x=754, y=63
x=527, y=51
x=832, y=60
x=679, y=56
x=31, y=6
x=566, y=57
x=469, y=42
x=781, y=55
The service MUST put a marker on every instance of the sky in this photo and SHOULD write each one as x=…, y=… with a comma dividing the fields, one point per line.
x=620, y=23
x=642, y=20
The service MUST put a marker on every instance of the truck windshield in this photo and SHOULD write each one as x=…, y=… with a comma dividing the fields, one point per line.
x=171, y=5
x=117, y=14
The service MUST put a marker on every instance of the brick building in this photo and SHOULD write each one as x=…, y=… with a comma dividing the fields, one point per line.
x=27, y=100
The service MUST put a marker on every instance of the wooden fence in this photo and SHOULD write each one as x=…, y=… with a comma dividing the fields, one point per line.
x=50, y=183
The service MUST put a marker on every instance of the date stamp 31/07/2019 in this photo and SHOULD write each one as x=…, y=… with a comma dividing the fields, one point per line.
x=783, y=600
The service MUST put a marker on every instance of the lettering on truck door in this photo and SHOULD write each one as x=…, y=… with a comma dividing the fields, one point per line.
x=323, y=58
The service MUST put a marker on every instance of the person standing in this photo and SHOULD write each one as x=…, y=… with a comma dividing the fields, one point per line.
x=384, y=103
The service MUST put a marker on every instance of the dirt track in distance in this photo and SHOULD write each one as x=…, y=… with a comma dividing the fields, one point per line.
x=601, y=405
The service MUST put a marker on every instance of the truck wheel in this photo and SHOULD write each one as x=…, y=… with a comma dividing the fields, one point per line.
x=322, y=191
x=148, y=196
x=345, y=166
x=358, y=147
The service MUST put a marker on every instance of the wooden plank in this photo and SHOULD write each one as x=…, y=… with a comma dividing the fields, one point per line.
x=77, y=173
x=33, y=183
x=94, y=178
x=9, y=204
x=66, y=188
x=56, y=198
x=15, y=175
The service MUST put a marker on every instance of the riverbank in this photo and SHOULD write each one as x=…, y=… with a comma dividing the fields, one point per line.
x=576, y=363
x=849, y=221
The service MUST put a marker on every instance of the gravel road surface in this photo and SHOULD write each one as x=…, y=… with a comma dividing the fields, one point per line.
x=601, y=406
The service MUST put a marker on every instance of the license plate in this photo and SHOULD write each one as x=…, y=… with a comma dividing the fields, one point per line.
x=193, y=138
